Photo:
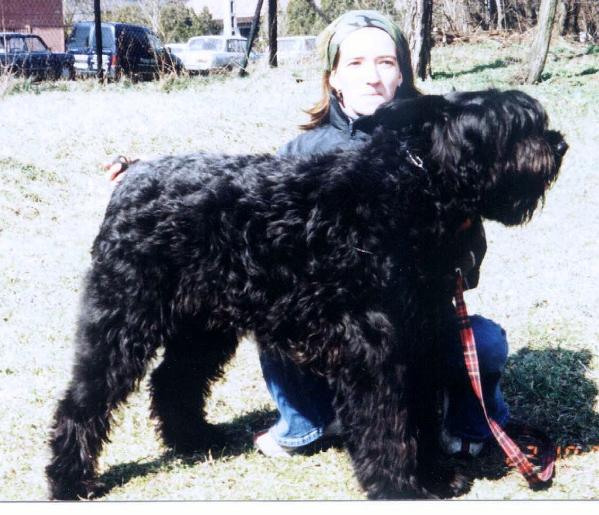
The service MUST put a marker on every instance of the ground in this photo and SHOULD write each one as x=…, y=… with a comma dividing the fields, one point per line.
x=540, y=282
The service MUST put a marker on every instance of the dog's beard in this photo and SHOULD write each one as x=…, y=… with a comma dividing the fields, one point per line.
x=516, y=187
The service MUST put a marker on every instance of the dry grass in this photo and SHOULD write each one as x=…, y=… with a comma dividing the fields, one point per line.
x=540, y=282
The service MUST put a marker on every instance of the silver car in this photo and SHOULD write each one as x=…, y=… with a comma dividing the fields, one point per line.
x=296, y=49
x=206, y=53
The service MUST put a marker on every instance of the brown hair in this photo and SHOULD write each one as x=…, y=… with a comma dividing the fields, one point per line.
x=319, y=112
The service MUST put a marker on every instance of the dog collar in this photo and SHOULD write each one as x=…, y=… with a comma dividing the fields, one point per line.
x=415, y=160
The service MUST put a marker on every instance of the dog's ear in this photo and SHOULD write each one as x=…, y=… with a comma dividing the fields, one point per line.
x=407, y=113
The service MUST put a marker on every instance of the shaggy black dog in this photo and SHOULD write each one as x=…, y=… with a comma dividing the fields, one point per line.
x=339, y=262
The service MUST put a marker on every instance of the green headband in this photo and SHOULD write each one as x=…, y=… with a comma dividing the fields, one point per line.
x=331, y=37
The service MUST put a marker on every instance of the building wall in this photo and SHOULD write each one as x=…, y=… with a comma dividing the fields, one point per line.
x=42, y=17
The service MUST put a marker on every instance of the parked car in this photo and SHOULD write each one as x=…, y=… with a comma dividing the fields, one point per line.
x=176, y=48
x=296, y=49
x=127, y=49
x=29, y=56
x=208, y=53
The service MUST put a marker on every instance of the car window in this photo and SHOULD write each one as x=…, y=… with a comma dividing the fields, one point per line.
x=35, y=44
x=79, y=38
x=133, y=42
x=286, y=45
x=16, y=44
x=207, y=44
x=296, y=44
x=155, y=43
x=233, y=45
x=107, y=39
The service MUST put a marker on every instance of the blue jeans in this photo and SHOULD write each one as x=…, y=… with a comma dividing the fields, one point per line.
x=305, y=401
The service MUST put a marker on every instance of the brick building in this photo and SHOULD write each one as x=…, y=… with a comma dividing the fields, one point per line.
x=42, y=17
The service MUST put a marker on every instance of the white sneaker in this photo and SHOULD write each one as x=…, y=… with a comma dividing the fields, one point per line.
x=268, y=446
x=454, y=445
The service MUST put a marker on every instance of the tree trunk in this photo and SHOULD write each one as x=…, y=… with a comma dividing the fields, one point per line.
x=500, y=18
x=250, y=41
x=99, y=46
x=561, y=16
x=272, y=33
x=420, y=19
x=540, y=47
x=490, y=12
x=318, y=11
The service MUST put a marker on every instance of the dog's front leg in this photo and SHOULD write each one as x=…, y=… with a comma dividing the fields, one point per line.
x=372, y=402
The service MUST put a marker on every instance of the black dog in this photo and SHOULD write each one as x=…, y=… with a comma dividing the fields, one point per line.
x=339, y=262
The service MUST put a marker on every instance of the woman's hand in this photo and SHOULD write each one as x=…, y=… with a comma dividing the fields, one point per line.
x=116, y=169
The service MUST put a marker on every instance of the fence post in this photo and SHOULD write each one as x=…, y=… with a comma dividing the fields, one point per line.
x=98, y=26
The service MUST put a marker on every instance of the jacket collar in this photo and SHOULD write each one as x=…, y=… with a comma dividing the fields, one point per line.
x=339, y=120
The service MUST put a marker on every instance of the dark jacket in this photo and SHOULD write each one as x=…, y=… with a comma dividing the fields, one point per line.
x=338, y=132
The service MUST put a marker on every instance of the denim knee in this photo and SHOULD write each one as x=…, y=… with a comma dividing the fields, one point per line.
x=491, y=345
x=464, y=417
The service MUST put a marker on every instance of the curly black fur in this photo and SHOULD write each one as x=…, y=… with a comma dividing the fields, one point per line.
x=339, y=262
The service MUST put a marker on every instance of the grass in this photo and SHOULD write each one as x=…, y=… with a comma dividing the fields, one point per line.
x=539, y=282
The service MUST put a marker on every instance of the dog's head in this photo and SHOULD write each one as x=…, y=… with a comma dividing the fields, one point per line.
x=496, y=141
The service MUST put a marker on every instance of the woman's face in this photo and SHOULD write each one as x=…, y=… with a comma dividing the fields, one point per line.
x=367, y=72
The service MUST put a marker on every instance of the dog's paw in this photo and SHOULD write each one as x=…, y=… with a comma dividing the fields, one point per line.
x=84, y=490
x=448, y=482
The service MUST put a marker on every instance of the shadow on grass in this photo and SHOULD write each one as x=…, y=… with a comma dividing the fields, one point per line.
x=588, y=71
x=547, y=389
x=498, y=63
x=239, y=440
x=545, y=76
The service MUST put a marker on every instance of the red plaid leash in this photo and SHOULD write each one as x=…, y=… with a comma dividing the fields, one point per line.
x=515, y=456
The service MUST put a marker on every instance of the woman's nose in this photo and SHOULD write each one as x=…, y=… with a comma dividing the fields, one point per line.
x=371, y=73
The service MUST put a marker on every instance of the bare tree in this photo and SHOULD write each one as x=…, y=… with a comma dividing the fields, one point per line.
x=540, y=47
x=250, y=41
x=318, y=11
x=272, y=33
x=500, y=15
x=419, y=26
x=152, y=10
x=74, y=10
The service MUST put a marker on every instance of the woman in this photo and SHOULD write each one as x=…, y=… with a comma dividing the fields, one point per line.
x=367, y=63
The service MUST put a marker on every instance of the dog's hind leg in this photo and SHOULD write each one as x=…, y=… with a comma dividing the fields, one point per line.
x=194, y=358
x=115, y=342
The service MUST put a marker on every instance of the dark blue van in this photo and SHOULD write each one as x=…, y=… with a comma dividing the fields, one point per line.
x=127, y=49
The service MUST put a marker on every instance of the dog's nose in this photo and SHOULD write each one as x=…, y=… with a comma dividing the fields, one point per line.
x=561, y=148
